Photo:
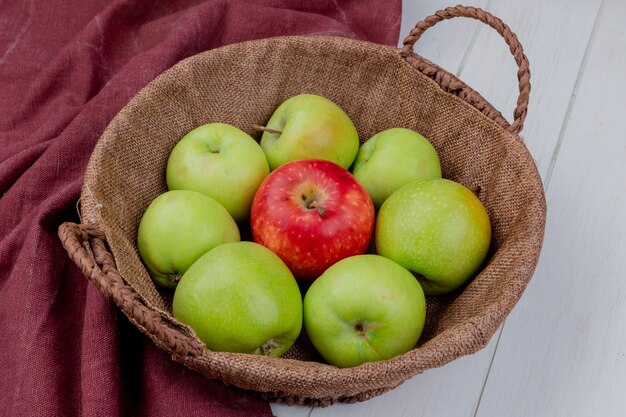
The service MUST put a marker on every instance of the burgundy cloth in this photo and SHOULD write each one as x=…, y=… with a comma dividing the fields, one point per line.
x=66, y=68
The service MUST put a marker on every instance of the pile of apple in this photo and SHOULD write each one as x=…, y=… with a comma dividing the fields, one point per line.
x=311, y=222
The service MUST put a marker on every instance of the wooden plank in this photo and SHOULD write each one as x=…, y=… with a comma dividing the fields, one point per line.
x=282, y=410
x=563, y=351
x=554, y=34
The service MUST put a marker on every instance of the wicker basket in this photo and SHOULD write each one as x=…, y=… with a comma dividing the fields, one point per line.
x=379, y=87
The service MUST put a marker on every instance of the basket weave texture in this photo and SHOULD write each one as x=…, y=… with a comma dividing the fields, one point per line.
x=379, y=87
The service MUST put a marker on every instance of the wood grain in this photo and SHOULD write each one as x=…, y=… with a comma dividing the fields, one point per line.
x=562, y=352
x=554, y=35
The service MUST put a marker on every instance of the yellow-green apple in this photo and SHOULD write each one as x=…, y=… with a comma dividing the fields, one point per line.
x=177, y=228
x=437, y=229
x=220, y=161
x=309, y=126
x=362, y=309
x=312, y=213
x=393, y=158
x=240, y=297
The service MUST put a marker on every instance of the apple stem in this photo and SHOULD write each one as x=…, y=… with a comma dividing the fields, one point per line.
x=315, y=205
x=175, y=277
x=268, y=129
x=475, y=189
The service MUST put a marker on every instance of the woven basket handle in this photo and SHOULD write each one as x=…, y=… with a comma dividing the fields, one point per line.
x=523, y=73
x=85, y=244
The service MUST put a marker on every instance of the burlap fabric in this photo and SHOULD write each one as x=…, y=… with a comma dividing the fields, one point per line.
x=380, y=88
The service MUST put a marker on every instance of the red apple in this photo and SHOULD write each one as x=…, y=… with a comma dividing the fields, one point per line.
x=312, y=213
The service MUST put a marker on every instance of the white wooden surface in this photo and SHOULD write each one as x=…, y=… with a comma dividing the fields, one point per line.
x=562, y=351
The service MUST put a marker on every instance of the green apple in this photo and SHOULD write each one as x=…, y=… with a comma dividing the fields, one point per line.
x=222, y=162
x=364, y=308
x=177, y=228
x=240, y=297
x=437, y=229
x=309, y=126
x=393, y=158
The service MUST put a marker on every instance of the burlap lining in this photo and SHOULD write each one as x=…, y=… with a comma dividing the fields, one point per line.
x=379, y=88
